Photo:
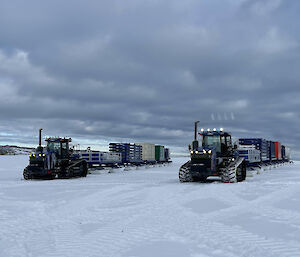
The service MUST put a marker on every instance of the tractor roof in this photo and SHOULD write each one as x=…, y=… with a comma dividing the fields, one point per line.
x=214, y=133
x=58, y=139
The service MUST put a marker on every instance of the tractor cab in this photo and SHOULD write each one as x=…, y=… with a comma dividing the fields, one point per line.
x=218, y=141
x=59, y=146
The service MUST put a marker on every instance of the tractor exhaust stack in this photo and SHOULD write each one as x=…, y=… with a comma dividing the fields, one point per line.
x=195, y=142
x=40, y=137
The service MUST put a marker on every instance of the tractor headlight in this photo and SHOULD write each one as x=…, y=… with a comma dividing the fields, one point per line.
x=30, y=155
x=204, y=151
x=44, y=155
x=209, y=151
x=197, y=152
x=192, y=152
x=40, y=155
x=33, y=155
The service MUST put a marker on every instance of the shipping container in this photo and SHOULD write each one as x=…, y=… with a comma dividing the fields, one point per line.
x=250, y=154
x=131, y=153
x=167, y=154
x=98, y=158
x=287, y=154
x=283, y=154
x=260, y=144
x=271, y=145
x=278, y=150
x=159, y=153
x=148, y=151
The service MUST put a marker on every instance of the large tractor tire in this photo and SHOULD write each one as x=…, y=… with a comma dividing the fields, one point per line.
x=52, y=176
x=185, y=174
x=25, y=175
x=84, y=169
x=229, y=175
x=241, y=172
x=236, y=172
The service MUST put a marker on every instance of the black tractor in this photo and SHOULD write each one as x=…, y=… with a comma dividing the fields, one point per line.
x=56, y=160
x=215, y=157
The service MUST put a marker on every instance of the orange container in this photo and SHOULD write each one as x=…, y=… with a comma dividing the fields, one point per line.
x=278, y=153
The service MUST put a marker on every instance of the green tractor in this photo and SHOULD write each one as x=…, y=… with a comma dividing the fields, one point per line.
x=56, y=160
x=216, y=157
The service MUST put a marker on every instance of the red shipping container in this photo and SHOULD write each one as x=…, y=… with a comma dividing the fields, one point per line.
x=278, y=153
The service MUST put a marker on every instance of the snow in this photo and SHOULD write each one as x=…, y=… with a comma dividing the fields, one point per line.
x=15, y=150
x=147, y=212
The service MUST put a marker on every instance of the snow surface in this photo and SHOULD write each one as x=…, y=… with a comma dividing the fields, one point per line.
x=147, y=213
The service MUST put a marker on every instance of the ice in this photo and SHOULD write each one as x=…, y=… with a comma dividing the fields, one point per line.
x=147, y=212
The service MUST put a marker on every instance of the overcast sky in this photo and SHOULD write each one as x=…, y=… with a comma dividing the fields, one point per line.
x=145, y=70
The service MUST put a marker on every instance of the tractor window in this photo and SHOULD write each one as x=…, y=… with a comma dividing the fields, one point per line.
x=223, y=140
x=54, y=146
x=212, y=141
x=64, y=150
x=64, y=146
x=228, y=141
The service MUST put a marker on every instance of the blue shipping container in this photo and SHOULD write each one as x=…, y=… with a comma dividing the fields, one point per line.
x=260, y=144
x=130, y=152
x=271, y=146
x=283, y=153
x=167, y=154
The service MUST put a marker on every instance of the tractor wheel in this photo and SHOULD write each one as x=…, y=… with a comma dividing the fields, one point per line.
x=185, y=174
x=234, y=174
x=84, y=169
x=70, y=173
x=241, y=172
x=229, y=175
x=62, y=174
x=52, y=176
x=25, y=175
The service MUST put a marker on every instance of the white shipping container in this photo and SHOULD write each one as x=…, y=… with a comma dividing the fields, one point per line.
x=109, y=157
x=250, y=153
x=98, y=157
x=288, y=153
x=148, y=151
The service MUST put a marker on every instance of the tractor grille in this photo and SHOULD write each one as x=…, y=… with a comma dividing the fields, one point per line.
x=36, y=162
x=205, y=161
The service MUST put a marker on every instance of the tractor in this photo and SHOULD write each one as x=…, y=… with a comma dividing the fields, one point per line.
x=216, y=157
x=56, y=160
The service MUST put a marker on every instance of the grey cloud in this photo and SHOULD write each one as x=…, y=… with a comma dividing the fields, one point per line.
x=145, y=70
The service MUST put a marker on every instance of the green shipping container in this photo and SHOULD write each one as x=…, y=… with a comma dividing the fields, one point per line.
x=159, y=153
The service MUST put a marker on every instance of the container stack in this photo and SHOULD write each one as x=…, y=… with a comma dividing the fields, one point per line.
x=270, y=151
x=131, y=153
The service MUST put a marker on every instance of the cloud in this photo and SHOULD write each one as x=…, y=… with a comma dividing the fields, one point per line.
x=273, y=42
x=146, y=70
x=264, y=7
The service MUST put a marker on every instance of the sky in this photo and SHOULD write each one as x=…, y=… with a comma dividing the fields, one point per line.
x=145, y=70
